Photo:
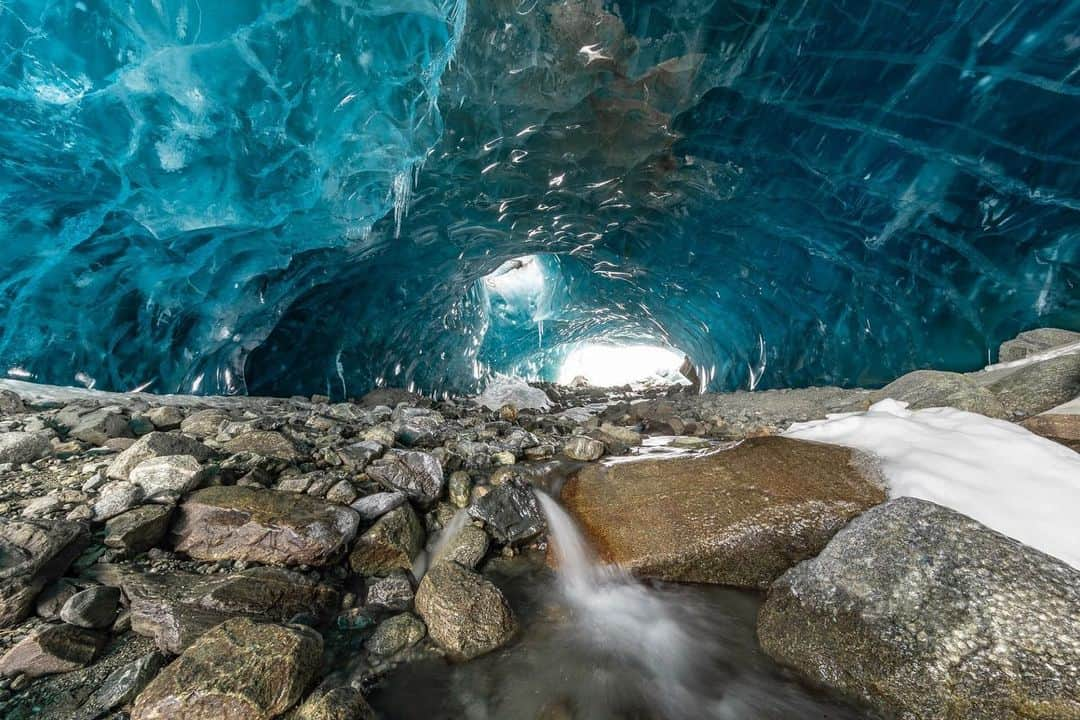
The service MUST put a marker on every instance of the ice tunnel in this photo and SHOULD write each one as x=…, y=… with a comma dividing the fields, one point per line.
x=284, y=197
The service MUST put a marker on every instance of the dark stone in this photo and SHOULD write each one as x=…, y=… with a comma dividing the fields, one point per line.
x=121, y=686
x=465, y=614
x=510, y=512
x=390, y=544
x=417, y=474
x=138, y=529
x=94, y=608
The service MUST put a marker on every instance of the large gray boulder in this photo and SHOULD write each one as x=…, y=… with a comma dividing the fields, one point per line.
x=934, y=388
x=925, y=614
x=1037, y=387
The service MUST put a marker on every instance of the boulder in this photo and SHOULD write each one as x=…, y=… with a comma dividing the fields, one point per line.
x=204, y=423
x=241, y=670
x=51, y=650
x=1033, y=342
x=417, y=474
x=244, y=523
x=924, y=613
x=738, y=517
x=395, y=634
x=167, y=477
x=152, y=445
x=467, y=548
x=23, y=447
x=583, y=448
x=393, y=592
x=116, y=497
x=266, y=443
x=175, y=609
x=372, y=507
x=165, y=418
x=390, y=544
x=510, y=512
x=465, y=614
x=94, y=608
x=33, y=553
x=138, y=529
x=100, y=425
x=1037, y=387
x=339, y=703
x=932, y=388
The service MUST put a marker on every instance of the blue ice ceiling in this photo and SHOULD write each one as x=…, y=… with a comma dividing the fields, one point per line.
x=295, y=197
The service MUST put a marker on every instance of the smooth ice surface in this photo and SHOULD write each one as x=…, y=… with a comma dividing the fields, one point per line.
x=290, y=197
x=998, y=473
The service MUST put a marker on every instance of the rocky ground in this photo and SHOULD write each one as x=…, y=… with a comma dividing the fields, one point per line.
x=182, y=557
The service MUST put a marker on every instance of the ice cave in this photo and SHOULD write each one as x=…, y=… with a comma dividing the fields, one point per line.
x=540, y=359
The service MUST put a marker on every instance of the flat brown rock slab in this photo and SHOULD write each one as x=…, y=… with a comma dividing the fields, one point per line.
x=267, y=526
x=737, y=517
x=241, y=670
x=33, y=552
x=52, y=649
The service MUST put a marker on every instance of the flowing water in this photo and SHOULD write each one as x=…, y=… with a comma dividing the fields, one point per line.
x=596, y=644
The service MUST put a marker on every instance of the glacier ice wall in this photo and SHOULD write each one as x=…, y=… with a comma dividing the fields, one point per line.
x=803, y=192
x=164, y=164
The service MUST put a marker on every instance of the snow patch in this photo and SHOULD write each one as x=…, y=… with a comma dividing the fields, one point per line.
x=998, y=473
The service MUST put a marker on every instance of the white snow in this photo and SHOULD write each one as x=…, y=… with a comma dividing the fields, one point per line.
x=506, y=390
x=1050, y=354
x=998, y=473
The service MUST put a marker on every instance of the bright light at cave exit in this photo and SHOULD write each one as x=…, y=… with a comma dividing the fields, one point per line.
x=606, y=364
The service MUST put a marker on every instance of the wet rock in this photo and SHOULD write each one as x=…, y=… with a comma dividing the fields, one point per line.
x=1034, y=342
x=50, y=650
x=390, y=544
x=23, y=447
x=924, y=613
x=342, y=492
x=175, y=609
x=417, y=474
x=416, y=427
x=358, y=455
x=167, y=477
x=739, y=517
x=155, y=444
x=239, y=670
x=1035, y=388
x=339, y=703
x=372, y=507
x=393, y=593
x=460, y=487
x=138, y=529
x=510, y=512
x=115, y=498
x=467, y=548
x=263, y=442
x=33, y=553
x=121, y=686
x=204, y=423
x=94, y=608
x=931, y=388
x=98, y=426
x=165, y=418
x=583, y=448
x=240, y=523
x=396, y=634
x=466, y=615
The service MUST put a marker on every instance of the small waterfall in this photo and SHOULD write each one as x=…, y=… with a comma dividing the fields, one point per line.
x=439, y=543
x=639, y=625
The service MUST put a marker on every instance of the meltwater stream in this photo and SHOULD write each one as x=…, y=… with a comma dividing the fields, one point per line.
x=597, y=644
